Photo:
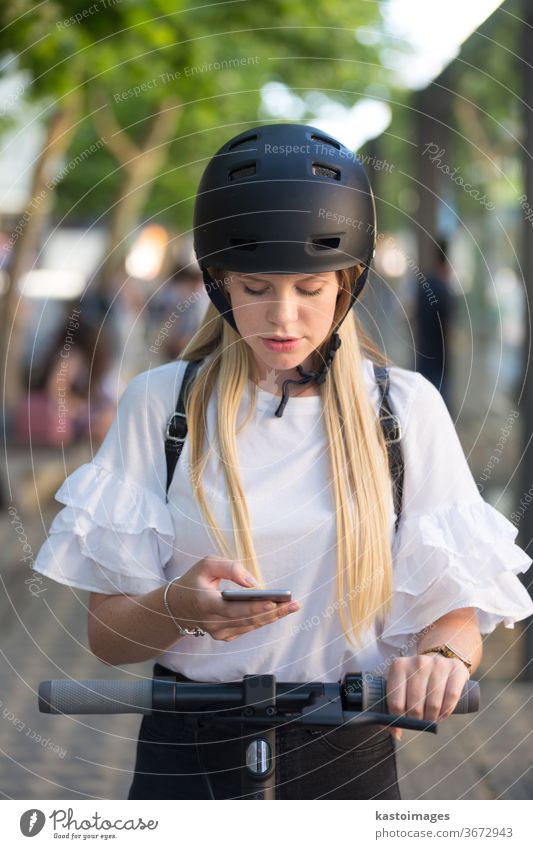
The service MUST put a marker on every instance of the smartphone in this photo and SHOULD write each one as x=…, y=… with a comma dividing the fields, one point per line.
x=256, y=595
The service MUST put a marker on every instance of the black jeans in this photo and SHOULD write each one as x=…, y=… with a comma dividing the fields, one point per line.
x=312, y=763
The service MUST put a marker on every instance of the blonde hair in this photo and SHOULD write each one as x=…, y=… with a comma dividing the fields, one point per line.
x=358, y=456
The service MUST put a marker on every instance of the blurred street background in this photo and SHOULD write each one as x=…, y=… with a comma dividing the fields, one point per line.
x=109, y=113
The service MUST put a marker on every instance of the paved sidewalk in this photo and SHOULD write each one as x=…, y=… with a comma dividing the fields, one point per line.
x=488, y=755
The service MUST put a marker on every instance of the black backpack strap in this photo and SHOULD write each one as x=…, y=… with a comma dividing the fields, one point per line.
x=177, y=424
x=177, y=432
x=392, y=432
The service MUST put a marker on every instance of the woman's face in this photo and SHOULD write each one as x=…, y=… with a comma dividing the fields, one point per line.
x=301, y=306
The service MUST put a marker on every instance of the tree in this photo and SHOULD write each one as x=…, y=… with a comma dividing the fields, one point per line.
x=132, y=76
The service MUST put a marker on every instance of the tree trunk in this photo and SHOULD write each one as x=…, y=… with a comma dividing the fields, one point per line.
x=58, y=137
x=140, y=165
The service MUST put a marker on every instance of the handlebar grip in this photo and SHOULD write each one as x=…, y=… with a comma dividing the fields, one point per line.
x=96, y=696
x=469, y=698
x=367, y=691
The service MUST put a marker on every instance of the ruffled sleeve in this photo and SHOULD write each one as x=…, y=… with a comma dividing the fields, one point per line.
x=452, y=548
x=115, y=533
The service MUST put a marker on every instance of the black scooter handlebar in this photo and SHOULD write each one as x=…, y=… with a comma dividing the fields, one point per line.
x=315, y=703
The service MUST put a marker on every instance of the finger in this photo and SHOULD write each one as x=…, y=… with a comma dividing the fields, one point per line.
x=417, y=685
x=238, y=614
x=258, y=613
x=436, y=688
x=397, y=687
x=454, y=688
x=278, y=612
x=217, y=568
x=229, y=636
x=396, y=733
x=259, y=620
x=243, y=611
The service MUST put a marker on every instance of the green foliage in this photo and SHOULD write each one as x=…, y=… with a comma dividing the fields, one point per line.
x=134, y=56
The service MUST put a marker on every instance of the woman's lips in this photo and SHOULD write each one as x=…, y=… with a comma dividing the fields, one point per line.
x=274, y=345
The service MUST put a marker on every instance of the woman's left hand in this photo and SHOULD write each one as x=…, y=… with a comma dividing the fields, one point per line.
x=425, y=686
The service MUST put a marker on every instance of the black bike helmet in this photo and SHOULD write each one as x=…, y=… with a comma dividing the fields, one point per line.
x=280, y=199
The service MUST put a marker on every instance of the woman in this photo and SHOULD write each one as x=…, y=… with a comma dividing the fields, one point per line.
x=68, y=399
x=283, y=481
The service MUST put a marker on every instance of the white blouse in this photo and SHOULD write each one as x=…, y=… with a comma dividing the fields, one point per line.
x=452, y=550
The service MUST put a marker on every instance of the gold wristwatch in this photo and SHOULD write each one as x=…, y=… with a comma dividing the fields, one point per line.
x=447, y=651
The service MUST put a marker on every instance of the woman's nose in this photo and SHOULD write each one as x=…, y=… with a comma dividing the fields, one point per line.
x=282, y=310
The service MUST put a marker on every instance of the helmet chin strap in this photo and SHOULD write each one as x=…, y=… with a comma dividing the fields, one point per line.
x=307, y=376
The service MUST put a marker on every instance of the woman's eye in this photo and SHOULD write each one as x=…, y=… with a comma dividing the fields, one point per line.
x=302, y=291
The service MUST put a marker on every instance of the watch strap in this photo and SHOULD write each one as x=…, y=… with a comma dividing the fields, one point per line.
x=447, y=651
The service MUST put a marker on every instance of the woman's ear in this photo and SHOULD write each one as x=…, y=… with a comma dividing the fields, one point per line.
x=226, y=286
x=222, y=280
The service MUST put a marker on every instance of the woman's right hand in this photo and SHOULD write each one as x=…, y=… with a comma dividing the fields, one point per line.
x=196, y=602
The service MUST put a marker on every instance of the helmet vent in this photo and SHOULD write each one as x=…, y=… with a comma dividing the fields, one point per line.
x=326, y=171
x=325, y=140
x=240, y=142
x=242, y=171
x=244, y=244
x=326, y=244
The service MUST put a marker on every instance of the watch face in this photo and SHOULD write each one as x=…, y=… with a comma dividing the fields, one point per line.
x=446, y=651
x=452, y=653
x=457, y=657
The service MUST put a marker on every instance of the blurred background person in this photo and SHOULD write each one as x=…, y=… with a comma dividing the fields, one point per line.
x=68, y=397
x=177, y=310
x=434, y=316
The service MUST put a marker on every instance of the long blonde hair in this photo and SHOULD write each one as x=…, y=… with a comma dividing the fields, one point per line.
x=358, y=457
